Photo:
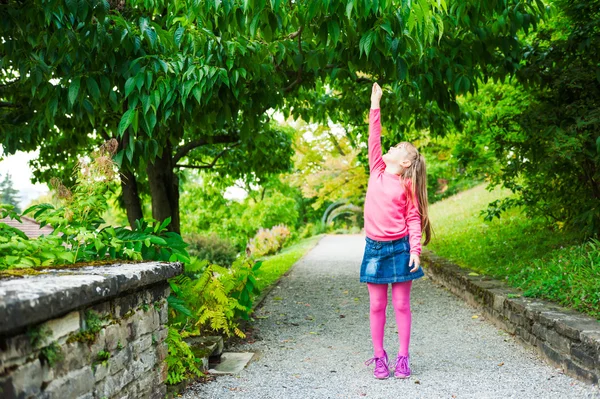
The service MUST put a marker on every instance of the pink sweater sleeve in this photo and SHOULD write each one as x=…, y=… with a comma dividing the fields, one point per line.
x=413, y=221
x=375, y=160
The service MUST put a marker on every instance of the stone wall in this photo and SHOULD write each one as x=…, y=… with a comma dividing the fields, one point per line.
x=565, y=338
x=86, y=333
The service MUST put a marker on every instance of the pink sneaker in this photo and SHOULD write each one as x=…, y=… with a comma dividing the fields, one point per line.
x=382, y=370
x=401, y=369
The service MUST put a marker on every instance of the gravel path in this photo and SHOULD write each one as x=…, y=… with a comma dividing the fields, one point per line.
x=312, y=337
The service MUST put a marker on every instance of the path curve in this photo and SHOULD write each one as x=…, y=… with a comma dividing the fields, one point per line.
x=312, y=337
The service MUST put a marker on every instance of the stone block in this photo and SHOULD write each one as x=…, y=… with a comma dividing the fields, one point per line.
x=119, y=360
x=15, y=347
x=591, y=338
x=580, y=373
x=24, y=382
x=539, y=331
x=146, y=361
x=112, y=384
x=145, y=322
x=162, y=351
x=518, y=319
x=125, y=304
x=572, y=325
x=526, y=336
x=164, y=314
x=584, y=355
x=558, y=342
x=556, y=358
x=498, y=304
x=549, y=317
x=99, y=343
x=63, y=326
x=76, y=383
x=161, y=335
x=100, y=372
x=115, y=334
x=140, y=345
x=75, y=356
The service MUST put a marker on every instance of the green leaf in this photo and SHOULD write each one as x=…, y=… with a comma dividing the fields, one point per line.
x=72, y=6
x=157, y=240
x=74, y=90
x=466, y=83
x=457, y=84
x=402, y=68
x=105, y=83
x=387, y=27
x=135, y=122
x=334, y=31
x=118, y=158
x=366, y=42
x=254, y=25
x=349, y=8
x=126, y=120
x=179, y=35
x=129, y=86
x=93, y=88
x=151, y=35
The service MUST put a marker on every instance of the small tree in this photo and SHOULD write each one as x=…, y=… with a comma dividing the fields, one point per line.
x=8, y=194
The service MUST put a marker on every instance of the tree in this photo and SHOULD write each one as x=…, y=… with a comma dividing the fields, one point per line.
x=8, y=194
x=543, y=129
x=186, y=84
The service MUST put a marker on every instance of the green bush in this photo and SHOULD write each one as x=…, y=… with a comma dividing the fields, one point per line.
x=274, y=210
x=212, y=248
x=78, y=236
x=268, y=241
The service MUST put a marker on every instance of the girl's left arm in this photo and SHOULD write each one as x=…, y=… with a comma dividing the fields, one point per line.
x=413, y=222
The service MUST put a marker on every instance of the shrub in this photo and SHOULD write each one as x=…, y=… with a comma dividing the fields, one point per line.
x=268, y=241
x=212, y=248
x=273, y=210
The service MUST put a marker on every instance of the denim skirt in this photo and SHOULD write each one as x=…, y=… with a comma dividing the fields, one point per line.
x=387, y=262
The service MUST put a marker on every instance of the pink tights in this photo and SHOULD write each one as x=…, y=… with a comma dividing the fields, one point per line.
x=378, y=294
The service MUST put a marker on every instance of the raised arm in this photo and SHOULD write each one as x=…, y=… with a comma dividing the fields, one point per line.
x=375, y=160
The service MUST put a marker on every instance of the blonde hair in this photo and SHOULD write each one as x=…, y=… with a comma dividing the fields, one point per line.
x=416, y=175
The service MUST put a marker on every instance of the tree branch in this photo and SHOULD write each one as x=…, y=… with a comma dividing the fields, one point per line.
x=210, y=165
x=299, y=76
x=295, y=34
x=185, y=149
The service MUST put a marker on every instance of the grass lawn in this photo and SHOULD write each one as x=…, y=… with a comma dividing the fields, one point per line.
x=275, y=266
x=531, y=254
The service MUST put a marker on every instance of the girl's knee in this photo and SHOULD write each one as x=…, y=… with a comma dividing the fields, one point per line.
x=378, y=305
x=401, y=306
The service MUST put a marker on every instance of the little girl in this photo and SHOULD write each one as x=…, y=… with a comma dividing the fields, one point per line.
x=395, y=216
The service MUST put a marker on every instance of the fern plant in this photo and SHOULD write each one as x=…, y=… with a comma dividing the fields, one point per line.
x=181, y=362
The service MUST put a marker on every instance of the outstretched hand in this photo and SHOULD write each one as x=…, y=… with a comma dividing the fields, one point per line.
x=376, y=93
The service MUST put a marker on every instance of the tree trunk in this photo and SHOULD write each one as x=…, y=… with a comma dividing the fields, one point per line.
x=129, y=189
x=164, y=189
x=131, y=197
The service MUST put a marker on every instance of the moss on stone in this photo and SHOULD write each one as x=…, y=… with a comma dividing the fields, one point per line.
x=32, y=271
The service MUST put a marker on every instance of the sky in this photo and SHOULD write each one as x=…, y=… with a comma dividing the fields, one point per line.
x=18, y=167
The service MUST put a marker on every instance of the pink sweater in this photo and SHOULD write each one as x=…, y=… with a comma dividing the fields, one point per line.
x=388, y=213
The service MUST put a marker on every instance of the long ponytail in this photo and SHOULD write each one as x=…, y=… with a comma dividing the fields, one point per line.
x=417, y=175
